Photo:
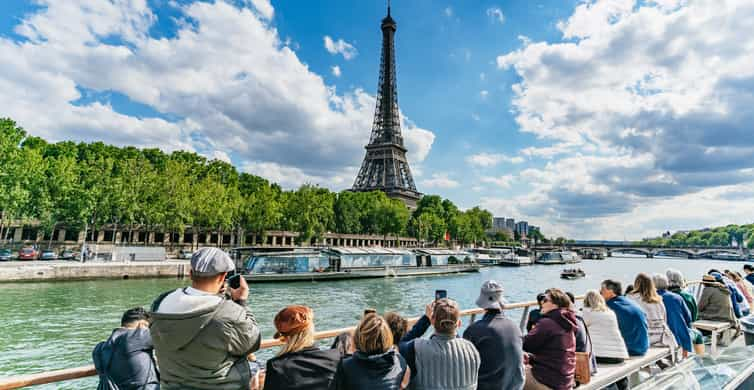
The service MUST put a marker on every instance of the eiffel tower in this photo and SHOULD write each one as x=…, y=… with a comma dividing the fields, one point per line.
x=385, y=166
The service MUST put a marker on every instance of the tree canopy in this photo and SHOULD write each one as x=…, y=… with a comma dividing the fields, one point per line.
x=93, y=185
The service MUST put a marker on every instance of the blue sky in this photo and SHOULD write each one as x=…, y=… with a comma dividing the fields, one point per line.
x=594, y=119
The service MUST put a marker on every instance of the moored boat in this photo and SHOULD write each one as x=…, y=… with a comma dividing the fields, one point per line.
x=558, y=257
x=338, y=263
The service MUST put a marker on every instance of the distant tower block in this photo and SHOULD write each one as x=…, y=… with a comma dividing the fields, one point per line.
x=385, y=166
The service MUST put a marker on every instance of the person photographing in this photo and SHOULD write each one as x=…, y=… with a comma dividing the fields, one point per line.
x=203, y=333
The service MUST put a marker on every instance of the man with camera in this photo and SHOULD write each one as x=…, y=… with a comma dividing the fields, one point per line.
x=203, y=333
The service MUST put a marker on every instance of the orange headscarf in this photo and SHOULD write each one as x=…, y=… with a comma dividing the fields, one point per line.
x=293, y=319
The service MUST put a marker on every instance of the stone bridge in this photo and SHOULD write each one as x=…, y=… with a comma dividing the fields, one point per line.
x=652, y=251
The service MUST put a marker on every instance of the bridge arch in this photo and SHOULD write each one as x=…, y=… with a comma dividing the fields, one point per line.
x=636, y=251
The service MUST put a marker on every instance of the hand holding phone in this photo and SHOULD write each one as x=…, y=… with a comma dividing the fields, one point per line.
x=440, y=294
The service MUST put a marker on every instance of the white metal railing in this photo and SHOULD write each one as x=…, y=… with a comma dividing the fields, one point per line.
x=15, y=382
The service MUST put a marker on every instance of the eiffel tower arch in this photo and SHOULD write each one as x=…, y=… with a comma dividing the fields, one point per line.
x=385, y=166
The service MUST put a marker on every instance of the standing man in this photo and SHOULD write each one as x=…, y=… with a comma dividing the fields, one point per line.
x=499, y=342
x=749, y=271
x=202, y=335
x=125, y=360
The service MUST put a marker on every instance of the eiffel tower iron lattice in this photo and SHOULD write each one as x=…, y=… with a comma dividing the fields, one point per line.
x=385, y=166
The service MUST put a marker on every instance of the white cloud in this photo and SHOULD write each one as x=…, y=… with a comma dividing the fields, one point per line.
x=491, y=159
x=501, y=181
x=220, y=155
x=264, y=8
x=640, y=105
x=335, y=71
x=448, y=11
x=483, y=94
x=347, y=50
x=252, y=98
x=440, y=180
x=496, y=14
x=290, y=177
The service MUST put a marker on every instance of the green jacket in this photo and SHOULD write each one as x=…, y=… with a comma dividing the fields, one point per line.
x=690, y=302
x=204, y=349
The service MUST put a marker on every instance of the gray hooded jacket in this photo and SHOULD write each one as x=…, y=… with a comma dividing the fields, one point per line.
x=205, y=348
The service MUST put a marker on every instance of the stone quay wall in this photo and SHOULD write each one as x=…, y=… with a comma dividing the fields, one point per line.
x=50, y=271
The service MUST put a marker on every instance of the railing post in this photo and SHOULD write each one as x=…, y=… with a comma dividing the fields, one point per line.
x=524, y=318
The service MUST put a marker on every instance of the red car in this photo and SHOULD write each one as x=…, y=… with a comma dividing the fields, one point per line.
x=28, y=254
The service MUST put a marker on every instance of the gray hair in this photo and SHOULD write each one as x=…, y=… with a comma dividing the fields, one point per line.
x=675, y=278
x=661, y=281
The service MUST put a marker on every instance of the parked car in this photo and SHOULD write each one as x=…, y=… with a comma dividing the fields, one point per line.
x=28, y=253
x=68, y=254
x=6, y=255
x=185, y=254
x=48, y=254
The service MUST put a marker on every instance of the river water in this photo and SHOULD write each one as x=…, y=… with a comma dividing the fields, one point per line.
x=46, y=326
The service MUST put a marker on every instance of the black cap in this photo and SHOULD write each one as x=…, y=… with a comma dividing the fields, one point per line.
x=748, y=267
x=133, y=315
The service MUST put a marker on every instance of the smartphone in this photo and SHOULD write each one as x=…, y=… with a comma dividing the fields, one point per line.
x=234, y=281
x=440, y=294
x=370, y=311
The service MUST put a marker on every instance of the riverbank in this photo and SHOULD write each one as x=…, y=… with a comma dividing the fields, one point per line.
x=54, y=271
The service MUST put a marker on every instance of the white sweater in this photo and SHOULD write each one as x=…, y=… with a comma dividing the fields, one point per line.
x=605, y=334
x=659, y=331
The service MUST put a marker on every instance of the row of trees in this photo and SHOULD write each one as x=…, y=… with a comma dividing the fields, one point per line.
x=741, y=235
x=92, y=185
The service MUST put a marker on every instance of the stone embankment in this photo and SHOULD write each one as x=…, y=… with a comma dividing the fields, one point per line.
x=26, y=271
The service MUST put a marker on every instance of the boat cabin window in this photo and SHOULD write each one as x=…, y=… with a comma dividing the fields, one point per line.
x=286, y=264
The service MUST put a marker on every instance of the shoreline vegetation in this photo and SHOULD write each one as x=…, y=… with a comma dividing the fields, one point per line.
x=741, y=235
x=88, y=186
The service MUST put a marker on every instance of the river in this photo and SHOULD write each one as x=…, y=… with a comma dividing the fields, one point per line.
x=48, y=326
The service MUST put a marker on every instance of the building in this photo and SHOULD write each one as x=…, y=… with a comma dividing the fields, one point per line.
x=522, y=228
x=498, y=223
x=510, y=224
x=385, y=166
x=532, y=229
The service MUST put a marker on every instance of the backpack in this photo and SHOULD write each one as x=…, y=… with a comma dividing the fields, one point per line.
x=102, y=356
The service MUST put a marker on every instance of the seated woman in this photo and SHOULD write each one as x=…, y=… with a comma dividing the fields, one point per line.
x=645, y=295
x=376, y=364
x=677, y=284
x=608, y=343
x=715, y=305
x=678, y=315
x=535, y=314
x=299, y=364
x=551, y=345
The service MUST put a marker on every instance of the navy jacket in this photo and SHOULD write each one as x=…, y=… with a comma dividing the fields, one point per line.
x=375, y=372
x=632, y=323
x=679, y=317
x=406, y=345
x=500, y=347
x=125, y=360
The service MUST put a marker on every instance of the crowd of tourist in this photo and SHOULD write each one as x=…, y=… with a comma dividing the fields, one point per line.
x=203, y=337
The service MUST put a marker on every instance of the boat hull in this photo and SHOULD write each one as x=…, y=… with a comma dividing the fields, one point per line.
x=362, y=274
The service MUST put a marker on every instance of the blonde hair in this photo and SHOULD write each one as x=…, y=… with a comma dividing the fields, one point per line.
x=645, y=288
x=297, y=341
x=373, y=336
x=594, y=301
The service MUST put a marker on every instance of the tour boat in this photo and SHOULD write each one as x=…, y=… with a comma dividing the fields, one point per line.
x=337, y=263
x=726, y=256
x=558, y=257
x=571, y=274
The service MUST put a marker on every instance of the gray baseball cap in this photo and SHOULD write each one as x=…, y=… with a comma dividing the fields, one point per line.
x=490, y=295
x=210, y=262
